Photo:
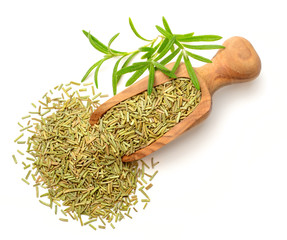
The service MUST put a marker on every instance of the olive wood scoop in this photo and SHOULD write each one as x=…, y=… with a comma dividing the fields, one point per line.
x=237, y=62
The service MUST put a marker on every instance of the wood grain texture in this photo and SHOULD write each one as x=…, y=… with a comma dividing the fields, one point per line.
x=238, y=62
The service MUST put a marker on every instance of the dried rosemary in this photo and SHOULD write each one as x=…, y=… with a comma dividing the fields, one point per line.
x=79, y=167
x=74, y=164
x=139, y=121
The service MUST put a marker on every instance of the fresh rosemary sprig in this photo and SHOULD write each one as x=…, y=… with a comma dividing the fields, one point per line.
x=155, y=55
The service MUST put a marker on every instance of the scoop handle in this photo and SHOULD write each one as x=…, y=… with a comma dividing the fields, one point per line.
x=238, y=62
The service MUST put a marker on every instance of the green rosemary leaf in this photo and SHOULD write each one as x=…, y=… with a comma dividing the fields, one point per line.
x=169, y=36
x=150, y=79
x=163, y=44
x=182, y=37
x=203, y=47
x=168, y=73
x=190, y=71
x=132, y=68
x=100, y=44
x=97, y=70
x=164, y=32
x=172, y=48
x=177, y=62
x=112, y=39
x=199, y=58
x=138, y=64
x=135, y=31
x=166, y=26
x=166, y=49
x=89, y=71
x=170, y=57
x=179, y=44
x=165, y=70
x=126, y=63
x=148, y=54
x=96, y=75
x=135, y=76
x=146, y=49
x=97, y=44
x=202, y=38
x=157, y=46
x=115, y=77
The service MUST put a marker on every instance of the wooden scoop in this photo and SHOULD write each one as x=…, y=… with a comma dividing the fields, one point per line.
x=238, y=62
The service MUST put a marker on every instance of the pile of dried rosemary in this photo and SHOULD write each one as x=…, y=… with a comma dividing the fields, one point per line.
x=78, y=166
x=72, y=164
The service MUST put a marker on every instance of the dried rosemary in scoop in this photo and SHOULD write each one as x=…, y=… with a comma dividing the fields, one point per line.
x=140, y=120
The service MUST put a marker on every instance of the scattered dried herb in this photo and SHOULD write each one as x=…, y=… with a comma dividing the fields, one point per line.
x=14, y=158
x=148, y=186
x=25, y=181
x=93, y=227
x=19, y=137
x=63, y=219
x=76, y=166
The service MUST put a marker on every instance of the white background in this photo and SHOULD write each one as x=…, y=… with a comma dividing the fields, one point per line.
x=224, y=179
